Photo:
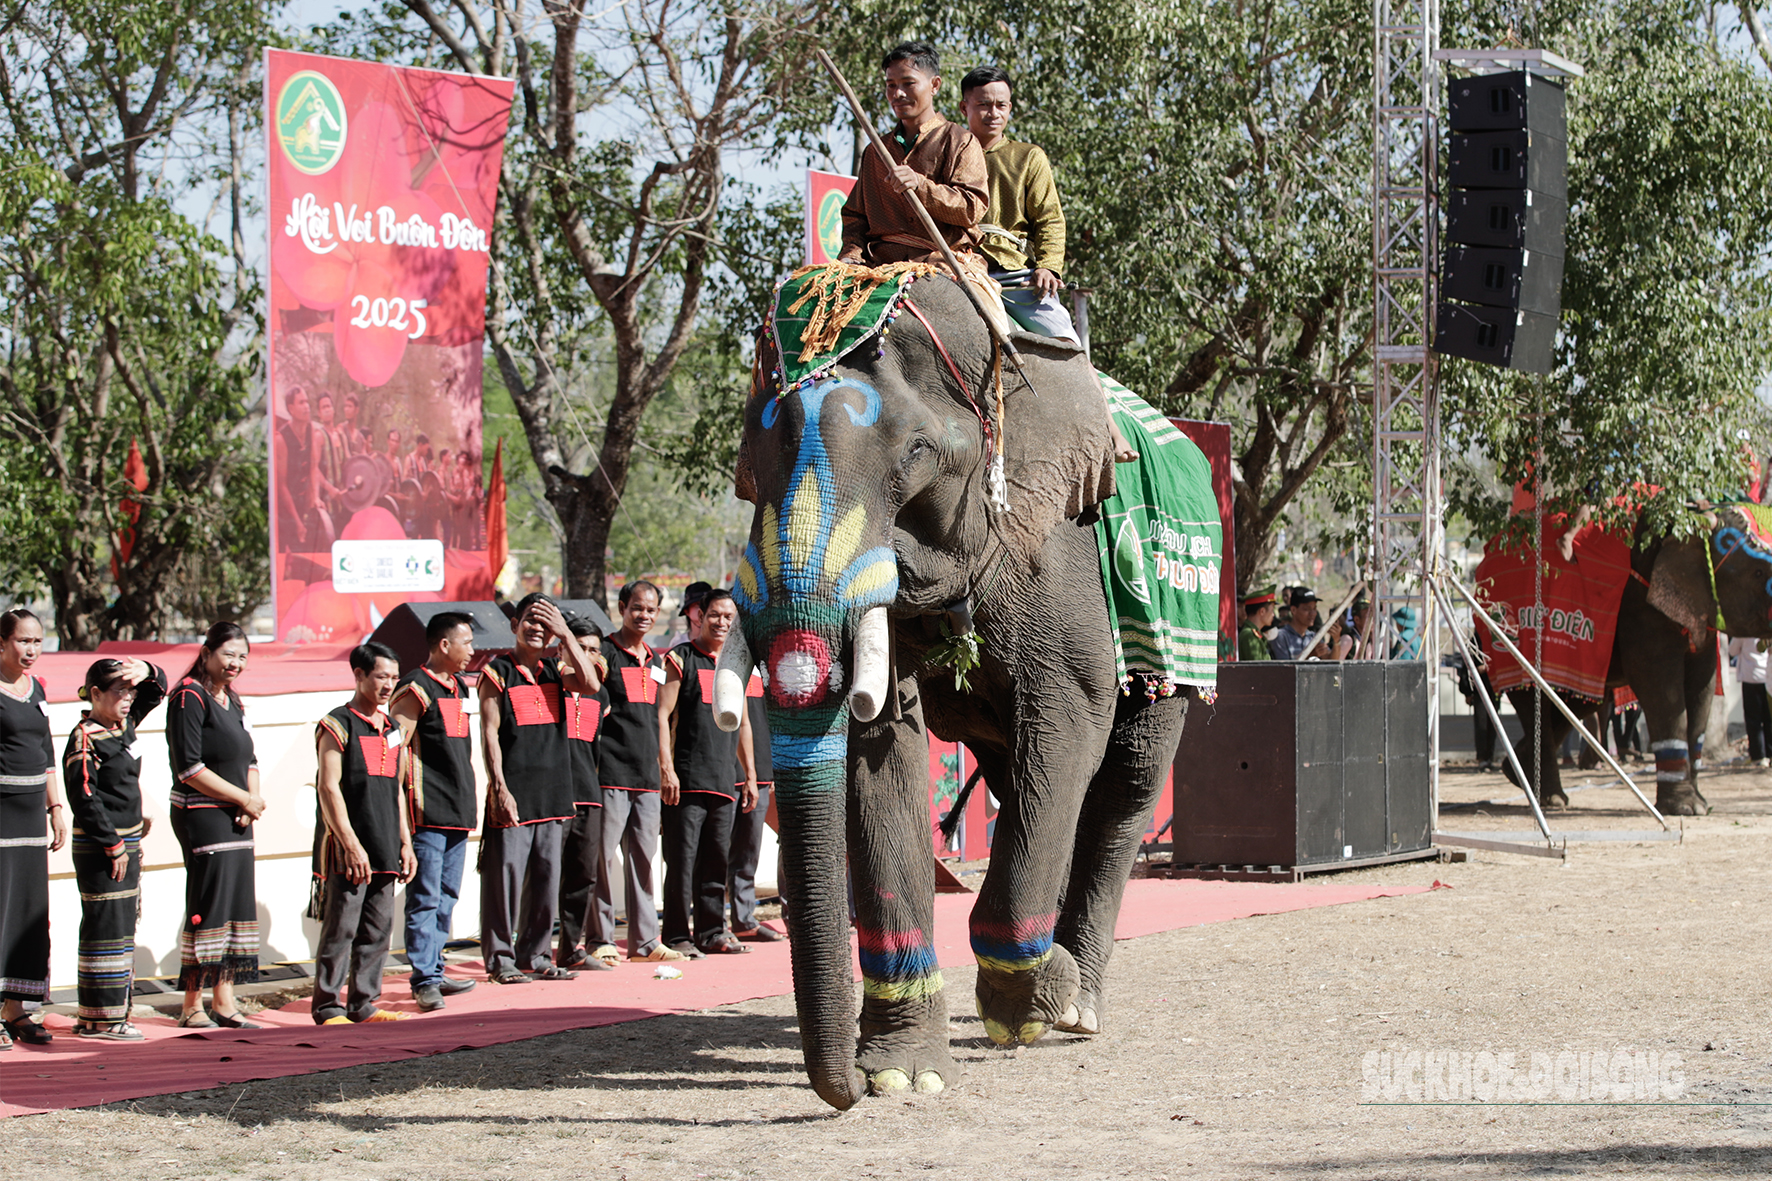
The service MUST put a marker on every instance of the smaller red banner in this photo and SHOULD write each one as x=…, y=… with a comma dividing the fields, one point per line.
x=825, y=194
x=1580, y=608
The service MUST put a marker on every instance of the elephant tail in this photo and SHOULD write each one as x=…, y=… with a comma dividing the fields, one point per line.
x=950, y=823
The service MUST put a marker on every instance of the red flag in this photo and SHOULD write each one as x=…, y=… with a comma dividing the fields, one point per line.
x=498, y=542
x=135, y=473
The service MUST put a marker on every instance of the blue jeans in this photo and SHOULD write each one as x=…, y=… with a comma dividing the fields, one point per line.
x=430, y=898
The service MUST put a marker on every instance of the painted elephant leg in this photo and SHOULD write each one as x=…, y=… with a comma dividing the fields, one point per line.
x=1116, y=812
x=1682, y=797
x=904, y=1013
x=1549, y=783
x=1026, y=982
x=1672, y=684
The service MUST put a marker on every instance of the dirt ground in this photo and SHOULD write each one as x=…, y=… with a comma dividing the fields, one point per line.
x=1234, y=1050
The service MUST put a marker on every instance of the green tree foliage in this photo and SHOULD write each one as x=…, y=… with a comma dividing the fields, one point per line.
x=1665, y=336
x=1215, y=160
x=124, y=320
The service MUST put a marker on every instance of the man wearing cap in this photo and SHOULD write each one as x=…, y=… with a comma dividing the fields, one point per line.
x=1288, y=643
x=1258, y=621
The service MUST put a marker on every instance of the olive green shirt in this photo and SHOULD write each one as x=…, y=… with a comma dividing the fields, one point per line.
x=1251, y=645
x=1024, y=201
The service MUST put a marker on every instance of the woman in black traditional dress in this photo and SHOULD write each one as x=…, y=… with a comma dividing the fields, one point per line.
x=103, y=775
x=215, y=799
x=27, y=790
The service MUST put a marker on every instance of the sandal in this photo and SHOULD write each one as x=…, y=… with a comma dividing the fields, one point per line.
x=659, y=954
x=232, y=1020
x=23, y=1029
x=725, y=943
x=761, y=933
x=607, y=953
x=686, y=948
x=5, y=1041
x=550, y=972
x=115, y=1031
x=583, y=961
x=509, y=976
x=195, y=1019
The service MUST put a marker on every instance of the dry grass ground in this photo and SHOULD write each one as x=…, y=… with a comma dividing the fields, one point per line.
x=1234, y=1051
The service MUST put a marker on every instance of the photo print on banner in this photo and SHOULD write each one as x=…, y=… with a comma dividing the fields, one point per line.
x=383, y=183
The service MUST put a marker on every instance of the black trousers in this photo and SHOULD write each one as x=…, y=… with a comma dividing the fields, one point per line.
x=747, y=847
x=354, y=938
x=1758, y=716
x=581, y=858
x=697, y=834
x=1484, y=729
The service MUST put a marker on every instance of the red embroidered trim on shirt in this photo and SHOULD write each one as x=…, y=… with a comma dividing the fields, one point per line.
x=535, y=705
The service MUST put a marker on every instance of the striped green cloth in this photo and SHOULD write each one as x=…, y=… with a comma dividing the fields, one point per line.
x=1162, y=549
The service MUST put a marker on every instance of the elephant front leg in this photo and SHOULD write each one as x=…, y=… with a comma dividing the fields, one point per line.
x=1028, y=982
x=1548, y=781
x=904, y=1015
x=1116, y=812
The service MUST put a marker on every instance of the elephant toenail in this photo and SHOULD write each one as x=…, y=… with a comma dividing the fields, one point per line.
x=998, y=1032
x=890, y=1081
x=1031, y=1032
x=929, y=1083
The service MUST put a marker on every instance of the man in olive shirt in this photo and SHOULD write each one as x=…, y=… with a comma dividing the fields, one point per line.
x=1258, y=621
x=1023, y=229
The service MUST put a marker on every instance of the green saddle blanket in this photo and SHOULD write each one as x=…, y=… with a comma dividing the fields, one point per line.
x=822, y=313
x=1162, y=549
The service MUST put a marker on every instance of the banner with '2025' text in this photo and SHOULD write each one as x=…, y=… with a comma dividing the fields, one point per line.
x=382, y=186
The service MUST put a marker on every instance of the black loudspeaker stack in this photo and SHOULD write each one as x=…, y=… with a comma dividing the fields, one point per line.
x=1501, y=277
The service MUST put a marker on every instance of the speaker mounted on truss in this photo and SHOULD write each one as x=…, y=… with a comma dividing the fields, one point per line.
x=1501, y=270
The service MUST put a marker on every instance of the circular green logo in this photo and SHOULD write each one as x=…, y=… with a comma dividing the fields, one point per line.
x=311, y=122
x=830, y=223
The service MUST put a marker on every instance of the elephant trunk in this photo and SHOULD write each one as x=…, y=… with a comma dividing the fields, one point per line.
x=811, y=797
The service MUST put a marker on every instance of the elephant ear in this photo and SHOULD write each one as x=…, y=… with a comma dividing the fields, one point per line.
x=1679, y=587
x=1058, y=454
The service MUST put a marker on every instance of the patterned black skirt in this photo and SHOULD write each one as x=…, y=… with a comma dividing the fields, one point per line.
x=108, y=913
x=218, y=940
x=24, y=898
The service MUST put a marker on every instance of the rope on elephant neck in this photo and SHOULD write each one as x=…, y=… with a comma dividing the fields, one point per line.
x=991, y=449
x=838, y=292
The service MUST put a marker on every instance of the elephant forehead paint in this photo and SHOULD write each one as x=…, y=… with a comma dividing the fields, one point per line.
x=812, y=544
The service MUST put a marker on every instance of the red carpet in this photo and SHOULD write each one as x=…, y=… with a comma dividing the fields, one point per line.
x=75, y=1073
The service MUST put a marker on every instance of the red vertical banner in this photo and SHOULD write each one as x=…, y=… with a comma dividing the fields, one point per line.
x=1214, y=438
x=382, y=187
x=825, y=194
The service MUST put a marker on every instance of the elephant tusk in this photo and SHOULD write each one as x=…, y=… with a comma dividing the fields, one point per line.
x=872, y=665
x=729, y=682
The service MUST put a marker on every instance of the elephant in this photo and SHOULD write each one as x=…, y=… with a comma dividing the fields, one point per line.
x=874, y=540
x=1665, y=650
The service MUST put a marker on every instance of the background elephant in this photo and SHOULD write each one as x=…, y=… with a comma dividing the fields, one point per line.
x=1666, y=651
x=872, y=530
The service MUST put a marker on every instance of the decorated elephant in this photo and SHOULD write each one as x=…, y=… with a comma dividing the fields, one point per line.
x=876, y=559
x=1665, y=650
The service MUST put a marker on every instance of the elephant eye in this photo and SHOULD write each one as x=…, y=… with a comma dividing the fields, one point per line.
x=919, y=447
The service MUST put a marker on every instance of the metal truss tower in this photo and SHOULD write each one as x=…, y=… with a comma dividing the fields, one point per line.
x=1407, y=519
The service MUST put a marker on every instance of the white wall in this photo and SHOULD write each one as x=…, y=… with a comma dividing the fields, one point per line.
x=283, y=730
